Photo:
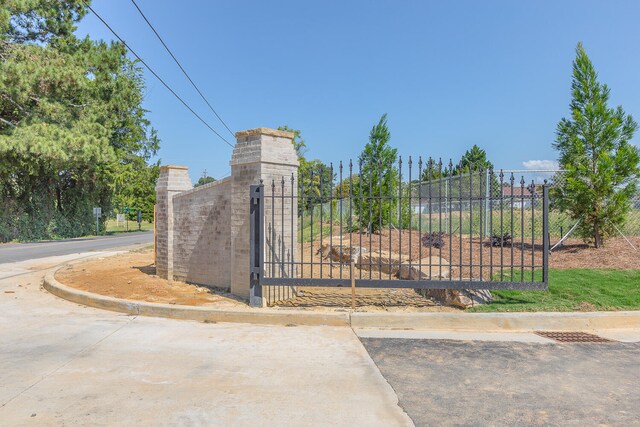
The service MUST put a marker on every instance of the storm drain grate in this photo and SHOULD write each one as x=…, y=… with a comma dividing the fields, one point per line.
x=574, y=337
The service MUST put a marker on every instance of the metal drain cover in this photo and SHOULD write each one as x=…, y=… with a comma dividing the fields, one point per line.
x=574, y=337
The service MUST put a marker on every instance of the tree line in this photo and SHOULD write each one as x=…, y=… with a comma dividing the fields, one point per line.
x=74, y=135
x=601, y=165
x=73, y=132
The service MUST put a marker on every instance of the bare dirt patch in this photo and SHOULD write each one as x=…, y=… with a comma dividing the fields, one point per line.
x=616, y=254
x=132, y=276
x=462, y=251
x=397, y=300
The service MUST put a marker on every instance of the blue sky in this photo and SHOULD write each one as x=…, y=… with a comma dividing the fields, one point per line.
x=449, y=74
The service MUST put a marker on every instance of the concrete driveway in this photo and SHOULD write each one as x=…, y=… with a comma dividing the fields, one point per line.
x=64, y=364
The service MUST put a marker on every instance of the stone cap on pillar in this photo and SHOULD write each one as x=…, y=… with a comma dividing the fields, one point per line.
x=264, y=145
x=263, y=131
x=174, y=178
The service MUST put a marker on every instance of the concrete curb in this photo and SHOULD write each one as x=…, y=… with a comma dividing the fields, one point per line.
x=256, y=316
x=499, y=322
x=469, y=322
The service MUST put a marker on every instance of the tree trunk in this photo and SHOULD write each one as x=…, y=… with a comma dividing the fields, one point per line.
x=59, y=199
x=597, y=236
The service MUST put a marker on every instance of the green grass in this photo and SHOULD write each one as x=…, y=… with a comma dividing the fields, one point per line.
x=305, y=233
x=113, y=228
x=571, y=290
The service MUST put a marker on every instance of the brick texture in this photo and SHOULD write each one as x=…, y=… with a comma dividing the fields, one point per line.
x=172, y=180
x=203, y=233
x=202, y=236
x=266, y=158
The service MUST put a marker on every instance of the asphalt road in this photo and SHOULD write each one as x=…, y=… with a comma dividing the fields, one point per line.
x=14, y=252
x=443, y=382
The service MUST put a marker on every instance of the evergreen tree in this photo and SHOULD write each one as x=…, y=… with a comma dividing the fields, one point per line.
x=204, y=179
x=473, y=160
x=379, y=175
x=73, y=133
x=602, y=166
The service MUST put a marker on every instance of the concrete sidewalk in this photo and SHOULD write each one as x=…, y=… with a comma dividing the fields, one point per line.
x=63, y=363
x=67, y=364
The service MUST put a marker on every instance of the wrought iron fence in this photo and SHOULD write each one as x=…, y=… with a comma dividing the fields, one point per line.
x=414, y=225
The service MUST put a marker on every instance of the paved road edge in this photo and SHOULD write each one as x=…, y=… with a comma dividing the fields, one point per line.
x=471, y=322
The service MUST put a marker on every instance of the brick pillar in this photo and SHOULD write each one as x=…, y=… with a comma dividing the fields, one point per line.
x=172, y=180
x=262, y=154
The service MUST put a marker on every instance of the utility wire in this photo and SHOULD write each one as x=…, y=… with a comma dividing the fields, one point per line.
x=157, y=76
x=181, y=68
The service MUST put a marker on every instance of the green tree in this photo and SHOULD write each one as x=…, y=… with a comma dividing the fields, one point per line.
x=315, y=179
x=602, y=166
x=379, y=175
x=71, y=122
x=473, y=160
x=204, y=179
x=134, y=187
x=298, y=143
x=467, y=175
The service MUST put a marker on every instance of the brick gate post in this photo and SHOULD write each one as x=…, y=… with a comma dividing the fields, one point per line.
x=172, y=180
x=261, y=154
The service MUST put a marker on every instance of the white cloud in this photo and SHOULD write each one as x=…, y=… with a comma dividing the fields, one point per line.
x=540, y=164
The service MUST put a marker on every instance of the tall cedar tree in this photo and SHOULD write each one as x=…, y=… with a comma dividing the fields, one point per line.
x=379, y=176
x=602, y=166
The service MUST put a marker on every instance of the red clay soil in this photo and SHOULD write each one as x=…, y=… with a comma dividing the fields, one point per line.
x=616, y=254
x=132, y=276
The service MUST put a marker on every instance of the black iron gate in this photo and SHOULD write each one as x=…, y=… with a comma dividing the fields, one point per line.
x=425, y=227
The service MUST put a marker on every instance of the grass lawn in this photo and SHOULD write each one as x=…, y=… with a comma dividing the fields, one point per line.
x=573, y=290
x=112, y=226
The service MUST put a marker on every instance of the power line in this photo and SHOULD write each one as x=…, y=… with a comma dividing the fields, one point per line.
x=157, y=76
x=181, y=68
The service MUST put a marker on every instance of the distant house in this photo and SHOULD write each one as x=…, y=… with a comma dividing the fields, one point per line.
x=520, y=195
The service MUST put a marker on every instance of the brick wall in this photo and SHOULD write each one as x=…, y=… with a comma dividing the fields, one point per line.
x=202, y=237
x=172, y=180
x=202, y=233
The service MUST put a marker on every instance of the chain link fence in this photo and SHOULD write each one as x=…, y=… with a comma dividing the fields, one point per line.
x=476, y=203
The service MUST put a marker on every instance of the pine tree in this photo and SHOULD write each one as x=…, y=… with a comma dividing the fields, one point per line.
x=73, y=133
x=602, y=166
x=379, y=176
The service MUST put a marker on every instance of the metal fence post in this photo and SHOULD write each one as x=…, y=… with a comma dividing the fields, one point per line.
x=545, y=233
x=256, y=242
x=487, y=212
